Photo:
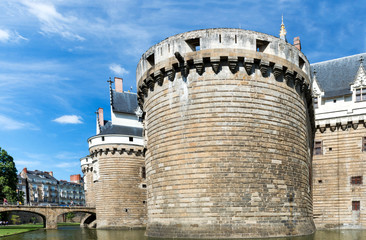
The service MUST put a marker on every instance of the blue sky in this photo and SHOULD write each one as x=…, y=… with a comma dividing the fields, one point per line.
x=56, y=57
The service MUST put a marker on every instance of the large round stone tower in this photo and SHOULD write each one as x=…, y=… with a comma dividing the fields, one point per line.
x=228, y=125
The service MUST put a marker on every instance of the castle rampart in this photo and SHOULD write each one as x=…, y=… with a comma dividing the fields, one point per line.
x=229, y=130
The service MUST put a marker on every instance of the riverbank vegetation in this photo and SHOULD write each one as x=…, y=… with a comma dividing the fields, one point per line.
x=23, y=228
x=15, y=229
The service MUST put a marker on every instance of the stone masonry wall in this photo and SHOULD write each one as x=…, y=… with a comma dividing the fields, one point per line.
x=341, y=158
x=120, y=194
x=89, y=185
x=228, y=146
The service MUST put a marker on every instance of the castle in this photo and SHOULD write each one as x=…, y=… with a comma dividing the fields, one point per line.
x=218, y=142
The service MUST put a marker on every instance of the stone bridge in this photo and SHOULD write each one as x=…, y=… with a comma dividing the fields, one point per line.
x=48, y=213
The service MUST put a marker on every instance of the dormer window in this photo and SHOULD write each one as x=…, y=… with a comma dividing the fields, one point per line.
x=360, y=94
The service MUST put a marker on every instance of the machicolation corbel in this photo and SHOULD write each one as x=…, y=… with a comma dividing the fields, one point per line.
x=198, y=63
x=233, y=63
x=248, y=64
x=264, y=66
x=215, y=63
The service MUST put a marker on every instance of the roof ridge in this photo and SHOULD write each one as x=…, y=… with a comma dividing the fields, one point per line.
x=337, y=59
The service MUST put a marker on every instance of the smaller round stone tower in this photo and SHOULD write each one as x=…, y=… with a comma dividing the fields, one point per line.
x=118, y=164
x=87, y=169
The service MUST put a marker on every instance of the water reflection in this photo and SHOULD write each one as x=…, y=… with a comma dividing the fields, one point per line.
x=76, y=233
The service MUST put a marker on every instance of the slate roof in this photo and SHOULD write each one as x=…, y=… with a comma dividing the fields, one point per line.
x=109, y=128
x=335, y=76
x=125, y=102
x=39, y=175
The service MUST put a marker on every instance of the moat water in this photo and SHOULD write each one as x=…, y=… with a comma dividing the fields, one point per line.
x=77, y=233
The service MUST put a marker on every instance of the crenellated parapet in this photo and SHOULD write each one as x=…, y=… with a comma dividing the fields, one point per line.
x=341, y=124
x=116, y=149
x=236, y=49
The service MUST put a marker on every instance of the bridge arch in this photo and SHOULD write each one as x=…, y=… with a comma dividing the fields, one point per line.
x=27, y=211
x=48, y=213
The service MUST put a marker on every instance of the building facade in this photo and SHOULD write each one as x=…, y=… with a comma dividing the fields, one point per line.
x=339, y=91
x=115, y=177
x=41, y=188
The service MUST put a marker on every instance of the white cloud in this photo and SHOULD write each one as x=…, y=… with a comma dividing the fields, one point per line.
x=10, y=36
x=68, y=119
x=53, y=22
x=118, y=69
x=7, y=123
x=67, y=164
x=27, y=163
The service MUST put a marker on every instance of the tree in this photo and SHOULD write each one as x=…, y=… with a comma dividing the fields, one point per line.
x=70, y=216
x=8, y=177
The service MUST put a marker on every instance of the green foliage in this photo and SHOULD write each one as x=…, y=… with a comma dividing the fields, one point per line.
x=15, y=219
x=70, y=215
x=8, y=177
x=34, y=219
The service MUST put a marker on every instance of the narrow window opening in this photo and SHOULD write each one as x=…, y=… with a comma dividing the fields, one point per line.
x=330, y=149
x=364, y=144
x=315, y=102
x=161, y=51
x=194, y=44
x=355, y=205
x=219, y=38
x=126, y=210
x=357, y=180
x=143, y=185
x=335, y=100
x=144, y=202
x=236, y=39
x=168, y=47
x=318, y=148
x=320, y=181
x=130, y=139
x=301, y=63
x=102, y=138
x=261, y=45
x=151, y=60
x=143, y=172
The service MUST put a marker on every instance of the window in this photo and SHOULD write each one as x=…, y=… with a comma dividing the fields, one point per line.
x=194, y=44
x=261, y=45
x=356, y=205
x=364, y=144
x=143, y=172
x=143, y=185
x=320, y=181
x=334, y=100
x=356, y=180
x=360, y=94
x=330, y=149
x=102, y=138
x=318, y=148
x=315, y=102
x=130, y=139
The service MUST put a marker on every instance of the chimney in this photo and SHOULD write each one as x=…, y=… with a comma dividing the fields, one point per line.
x=24, y=170
x=75, y=178
x=100, y=117
x=51, y=173
x=118, y=84
x=297, y=43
